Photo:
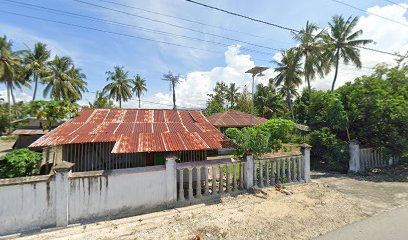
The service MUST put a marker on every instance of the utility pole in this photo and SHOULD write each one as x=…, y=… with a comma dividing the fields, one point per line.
x=255, y=71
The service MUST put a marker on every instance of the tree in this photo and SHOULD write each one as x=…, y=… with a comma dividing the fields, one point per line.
x=36, y=64
x=120, y=88
x=310, y=48
x=341, y=43
x=64, y=81
x=377, y=107
x=244, y=101
x=10, y=70
x=20, y=163
x=289, y=75
x=53, y=111
x=268, y=102
x=139, y=86
x=232, y=94
x=101, y=101
x=173, y=80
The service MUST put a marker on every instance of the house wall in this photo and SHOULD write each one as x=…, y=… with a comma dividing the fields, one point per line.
x=26, y=203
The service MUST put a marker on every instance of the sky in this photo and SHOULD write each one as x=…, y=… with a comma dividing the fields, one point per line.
x=203, y=45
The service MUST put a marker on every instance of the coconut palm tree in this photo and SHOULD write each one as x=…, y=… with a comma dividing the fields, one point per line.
x=36, y=64
x=139, y=86
x=101, y=101
x=311, y=49
x=120, y=88
x=289, y=72
x=342, y=42
x=232, y=94
x=173, y=80
x=64, y=81
x=10, y=70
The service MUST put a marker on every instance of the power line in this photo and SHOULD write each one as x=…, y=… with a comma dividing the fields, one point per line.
x=180, y=18
x=398, y=4
x=374, y=14
x=37, y=7
x=279, y=26
x=243, y=16
x=174, y=25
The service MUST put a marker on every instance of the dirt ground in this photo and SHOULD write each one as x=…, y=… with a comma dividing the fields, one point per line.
x=5, y=146
x=329, y=202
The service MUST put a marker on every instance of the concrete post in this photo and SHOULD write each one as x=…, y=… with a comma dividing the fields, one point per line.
x=354, y=163
x=62, y=171
x=249, y=171
x=171, y=180
x=305, y=149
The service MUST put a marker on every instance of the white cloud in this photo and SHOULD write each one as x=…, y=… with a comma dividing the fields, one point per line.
x=194, y=87
x=388, y=36
x=19, y=95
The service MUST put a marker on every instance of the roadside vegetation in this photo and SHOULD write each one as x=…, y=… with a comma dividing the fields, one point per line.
x=372, y=109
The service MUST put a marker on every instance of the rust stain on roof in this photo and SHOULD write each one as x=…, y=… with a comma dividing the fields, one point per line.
x=138, y=130
x=233, y=118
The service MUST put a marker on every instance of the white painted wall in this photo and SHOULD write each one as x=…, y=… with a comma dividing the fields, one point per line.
x=26, y=203
x=117, y=193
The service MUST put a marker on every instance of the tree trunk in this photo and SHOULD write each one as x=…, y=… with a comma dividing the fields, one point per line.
x=120, y=103
x=12, y=95
x=139, y=101
x=9, y=106
x=174, y=97
x=35, y=87
x=289, y=98
x=307, y=73
x=337, y=69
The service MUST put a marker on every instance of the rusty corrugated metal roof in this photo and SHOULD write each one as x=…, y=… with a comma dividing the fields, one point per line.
x=29, y=132
x=138, y=130
x=233, y=118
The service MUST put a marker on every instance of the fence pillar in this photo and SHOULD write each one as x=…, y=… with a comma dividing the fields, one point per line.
x=305, y=148
x=62, y=171
x=171, y=180
x=354, y=163
x=249, y=171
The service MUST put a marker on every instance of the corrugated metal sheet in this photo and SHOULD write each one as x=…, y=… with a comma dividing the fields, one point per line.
x=138, y=130
x=29, y=132
x=233, y=118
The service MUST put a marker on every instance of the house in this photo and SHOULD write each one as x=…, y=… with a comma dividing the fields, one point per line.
x=234, y=119
x=30, y=130
x=105, y=139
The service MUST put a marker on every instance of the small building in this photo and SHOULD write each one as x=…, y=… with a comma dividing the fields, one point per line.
x=234, y=119
x=105, y=139
x=31, y=129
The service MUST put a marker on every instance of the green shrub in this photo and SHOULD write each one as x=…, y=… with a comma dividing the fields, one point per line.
x=249, y=140
x=20, y=163
x=330, y=149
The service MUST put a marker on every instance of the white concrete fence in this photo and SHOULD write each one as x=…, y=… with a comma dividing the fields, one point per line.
x=362, y=159
x=32, y=203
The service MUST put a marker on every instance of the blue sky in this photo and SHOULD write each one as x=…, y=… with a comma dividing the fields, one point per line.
x=96, y=52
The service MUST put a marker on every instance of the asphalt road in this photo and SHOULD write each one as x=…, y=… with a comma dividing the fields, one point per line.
x=391, y=225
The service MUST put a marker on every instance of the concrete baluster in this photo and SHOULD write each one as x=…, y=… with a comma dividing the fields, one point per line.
x=221, y=187
x=261, y=180
x=198, y=187
x=228, y=181
x=273, y=180
x=234, y=176
x=300, y=167
x=295, y=167
x=214, y=180
x=181, y=185
x=284, y=168
x=190, y=184
x=289, y=170
x=207, y=188
x=267, y=163
x=278, y=171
